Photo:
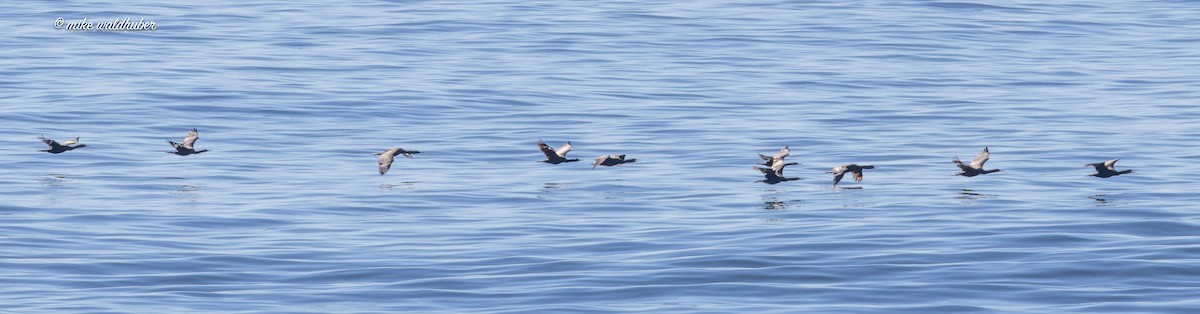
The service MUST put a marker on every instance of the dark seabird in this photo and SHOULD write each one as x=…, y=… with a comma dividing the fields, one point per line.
x=976, y=166
x=774, y=174
x=386, y=157
x=1107, y=169
x=56, y=147
x=612, y=160
x=856, y=170
x=556, y=156
x=770, y=160
x=186, y=148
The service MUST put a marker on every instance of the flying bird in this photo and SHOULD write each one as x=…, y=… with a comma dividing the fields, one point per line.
x=58, y=148
x=556, y=156
x=187, y=147
x=853, y=169
x=1107, y=169
x=386, y=157
x=976, y=166
x=770, y=160
x=612, y=160
x=774, y=174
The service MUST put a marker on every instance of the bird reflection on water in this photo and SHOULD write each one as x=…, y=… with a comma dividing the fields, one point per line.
x=404, y=185
x=551, y=186
x=968, y=196
x=775, y=205
x=57, y=187
x=1105, y=200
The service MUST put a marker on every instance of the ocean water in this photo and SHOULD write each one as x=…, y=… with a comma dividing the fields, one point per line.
x=287, y=213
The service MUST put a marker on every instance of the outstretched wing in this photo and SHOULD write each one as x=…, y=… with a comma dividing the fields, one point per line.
x=783, y=152
x=961, y=165
x=981, y=159
x=779, y=165
x=50, y=142
x=857, y=175
x=769, y=174
x=550, y=154
x=191, y=139
x=600, y=160
x=838, y=178
x=562, y=151
x=385, y=160
x=1111, y=164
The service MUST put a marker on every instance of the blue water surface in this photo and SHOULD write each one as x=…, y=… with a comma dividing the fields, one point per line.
x=287, y=214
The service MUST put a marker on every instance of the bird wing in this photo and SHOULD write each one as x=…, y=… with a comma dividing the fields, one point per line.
x=191, y=139
x=783, y=152
x=766, y=158
x=50, y=142
x=600, y=160
x=769, y=174
x=838, y=178
x=550, y=154
x=385, y=160
x=562, y=151
x=857, y=175
x=779, y=165
x=1111, y=164
x=961, y=165
x=981, y=159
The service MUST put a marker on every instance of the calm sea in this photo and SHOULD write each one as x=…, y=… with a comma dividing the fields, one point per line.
x=287, y=214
